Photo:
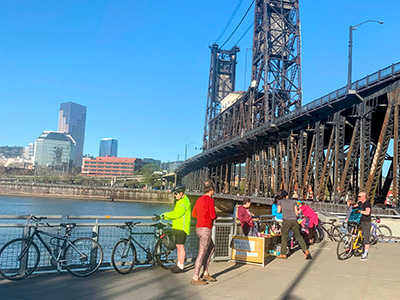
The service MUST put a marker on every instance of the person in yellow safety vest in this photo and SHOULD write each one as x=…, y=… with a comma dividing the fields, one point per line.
x=180, y=217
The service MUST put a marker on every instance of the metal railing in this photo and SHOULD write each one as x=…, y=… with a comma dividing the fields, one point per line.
x=104, y=229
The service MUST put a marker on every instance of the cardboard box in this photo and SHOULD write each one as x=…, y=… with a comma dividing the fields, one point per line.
x=253, y=249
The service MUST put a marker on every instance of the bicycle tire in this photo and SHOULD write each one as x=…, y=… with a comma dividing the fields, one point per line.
x=123, y=256
x=336, y=233
x=165, y=258
x=87, y=260
x=344, y=248
x=383, y=233
x=10, y=266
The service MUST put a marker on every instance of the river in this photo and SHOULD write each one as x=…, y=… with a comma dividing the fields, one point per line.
x=17, y=205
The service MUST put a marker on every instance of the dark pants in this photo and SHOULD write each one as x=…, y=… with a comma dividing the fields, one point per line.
x=366, y=231
x=294, y=226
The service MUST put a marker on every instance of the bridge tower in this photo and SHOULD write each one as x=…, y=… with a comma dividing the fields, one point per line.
x=276, y=65
x=221, y=83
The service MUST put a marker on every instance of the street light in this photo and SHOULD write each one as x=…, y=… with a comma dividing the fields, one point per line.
x=186, y=148
x=351, y=28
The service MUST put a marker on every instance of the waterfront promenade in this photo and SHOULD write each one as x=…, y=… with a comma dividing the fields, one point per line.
x=324, y=277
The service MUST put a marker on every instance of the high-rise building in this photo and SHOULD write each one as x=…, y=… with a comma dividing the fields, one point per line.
x=72, y=120
x=152, y=161
x=55, y=150
x=108, y=147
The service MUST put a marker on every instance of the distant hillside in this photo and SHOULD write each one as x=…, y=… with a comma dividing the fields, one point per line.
x=12, y=151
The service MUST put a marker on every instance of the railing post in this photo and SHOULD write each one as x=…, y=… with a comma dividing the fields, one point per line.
x=95, y=236
x=214, y=238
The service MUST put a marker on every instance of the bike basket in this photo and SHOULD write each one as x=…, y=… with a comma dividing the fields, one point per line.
x=169, y=239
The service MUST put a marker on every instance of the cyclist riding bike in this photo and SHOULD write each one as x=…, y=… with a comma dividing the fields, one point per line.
x=180, y=217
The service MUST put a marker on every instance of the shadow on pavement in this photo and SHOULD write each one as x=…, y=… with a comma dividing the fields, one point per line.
x=288, y=294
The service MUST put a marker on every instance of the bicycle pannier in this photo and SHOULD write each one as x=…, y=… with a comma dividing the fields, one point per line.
x=169, y=239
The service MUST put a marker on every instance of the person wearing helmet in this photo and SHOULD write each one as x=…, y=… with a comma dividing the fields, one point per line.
x=180, y=217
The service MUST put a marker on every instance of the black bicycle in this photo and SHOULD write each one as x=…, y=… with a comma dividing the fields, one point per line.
x=331, y=228
x=20, y=257
x=124, y=254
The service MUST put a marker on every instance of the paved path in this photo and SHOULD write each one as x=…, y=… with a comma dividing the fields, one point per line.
x=324, y=277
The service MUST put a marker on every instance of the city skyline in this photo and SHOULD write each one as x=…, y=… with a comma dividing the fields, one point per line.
x=110, y=59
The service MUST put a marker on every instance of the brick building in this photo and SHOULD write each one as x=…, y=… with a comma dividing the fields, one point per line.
x=110, y=166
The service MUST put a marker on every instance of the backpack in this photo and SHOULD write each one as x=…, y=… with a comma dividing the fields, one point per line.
x=355, y=215
x=169, y=239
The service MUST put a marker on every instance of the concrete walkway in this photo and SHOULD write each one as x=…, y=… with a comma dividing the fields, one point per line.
x=324, y=277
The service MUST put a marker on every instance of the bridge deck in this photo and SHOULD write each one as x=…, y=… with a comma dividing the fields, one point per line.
x=324, y=277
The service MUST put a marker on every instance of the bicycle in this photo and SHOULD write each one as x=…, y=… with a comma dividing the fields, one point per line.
x=379, y=232
x=20, y=257
x=333, y=230
x=351, y=244
x=124, y=254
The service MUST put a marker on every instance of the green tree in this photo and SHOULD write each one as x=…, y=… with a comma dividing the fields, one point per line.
x=151, y=175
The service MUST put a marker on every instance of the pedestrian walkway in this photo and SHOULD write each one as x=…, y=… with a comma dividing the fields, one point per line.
x=323, y=277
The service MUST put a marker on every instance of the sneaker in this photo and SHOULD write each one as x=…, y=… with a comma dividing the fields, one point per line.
x=176, y=269
x=364, y=257
x=208, y=278
x=198, y=282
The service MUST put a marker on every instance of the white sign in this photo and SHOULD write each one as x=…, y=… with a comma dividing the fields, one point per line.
x=244, y=245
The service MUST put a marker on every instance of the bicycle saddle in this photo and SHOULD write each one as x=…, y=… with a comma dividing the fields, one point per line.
x=68, y=225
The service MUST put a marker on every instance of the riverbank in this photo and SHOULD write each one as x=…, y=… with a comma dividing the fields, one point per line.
x=84, y=192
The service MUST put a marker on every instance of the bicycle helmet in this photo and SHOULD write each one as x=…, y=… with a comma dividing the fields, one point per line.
x=178, y=189
x=299, y=203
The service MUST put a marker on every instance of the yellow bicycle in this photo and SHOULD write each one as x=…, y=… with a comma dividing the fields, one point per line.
x=351, y=244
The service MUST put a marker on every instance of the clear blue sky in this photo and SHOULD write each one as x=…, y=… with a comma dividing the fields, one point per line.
x=141, y=67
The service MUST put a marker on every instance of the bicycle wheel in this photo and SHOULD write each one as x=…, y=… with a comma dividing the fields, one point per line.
x=123, y=256
x=165, y=258
x=318, y=234
x=336, y=233
x=345, y=247
x=384, y=233
x=83, y=257
x=14, y=267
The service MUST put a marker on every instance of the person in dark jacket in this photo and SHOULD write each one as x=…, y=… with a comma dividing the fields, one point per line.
x=246, y=218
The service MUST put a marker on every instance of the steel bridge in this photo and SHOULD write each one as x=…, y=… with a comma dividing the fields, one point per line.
x=263, y=140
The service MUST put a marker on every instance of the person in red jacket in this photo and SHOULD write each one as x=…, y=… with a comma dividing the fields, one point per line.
x=204, y=212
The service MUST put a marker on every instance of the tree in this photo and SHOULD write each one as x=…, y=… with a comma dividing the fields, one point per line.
x=151, y=175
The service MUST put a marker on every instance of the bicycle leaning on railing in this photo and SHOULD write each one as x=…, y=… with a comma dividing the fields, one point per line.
x=124, y=254
x=351, y=244
x=20, y=257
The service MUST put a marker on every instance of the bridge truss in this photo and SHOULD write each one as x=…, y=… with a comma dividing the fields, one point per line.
x=267, y=141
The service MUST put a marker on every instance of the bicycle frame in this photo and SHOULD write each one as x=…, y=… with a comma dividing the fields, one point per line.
x=63, y=247
x=148, y=251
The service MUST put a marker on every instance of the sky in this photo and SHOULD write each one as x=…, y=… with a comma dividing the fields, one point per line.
x=141, y=66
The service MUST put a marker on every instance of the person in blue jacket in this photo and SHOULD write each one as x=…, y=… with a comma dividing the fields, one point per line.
x=278, y=216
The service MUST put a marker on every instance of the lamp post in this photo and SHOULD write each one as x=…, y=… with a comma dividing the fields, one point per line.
x=351, y=28
x=186, y=148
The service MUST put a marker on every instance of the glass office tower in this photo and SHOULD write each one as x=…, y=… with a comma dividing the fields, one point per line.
x=108, y=147
x=55, y=150
x=72, y=120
